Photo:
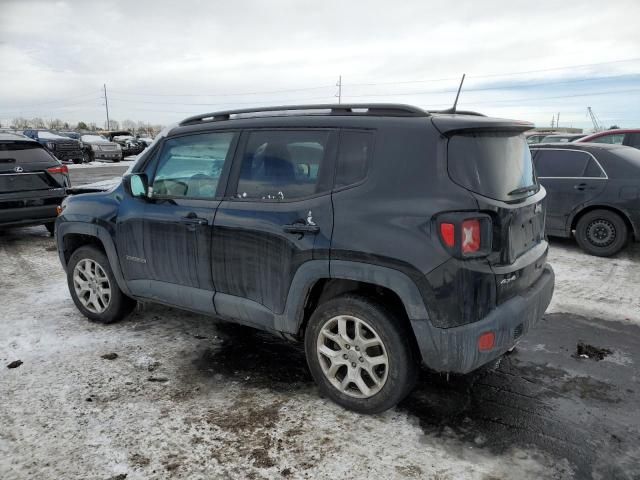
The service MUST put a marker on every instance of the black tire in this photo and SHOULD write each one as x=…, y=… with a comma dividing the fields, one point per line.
x=87, y=157
x=402, y=365
x=78, y=161
x=602, y=233
x=119, y=305
x=51, y=227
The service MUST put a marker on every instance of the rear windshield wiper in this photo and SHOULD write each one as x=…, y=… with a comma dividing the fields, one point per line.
x=517, y=191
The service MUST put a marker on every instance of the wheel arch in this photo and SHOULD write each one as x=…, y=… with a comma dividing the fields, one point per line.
x=580, y=213
x=313, y=285
x=73, y=235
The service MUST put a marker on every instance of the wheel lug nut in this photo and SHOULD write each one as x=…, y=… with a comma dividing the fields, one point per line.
x=361, y=359
x=357, y=349
x=347, y=346
x=353, y=364
x=345, y=356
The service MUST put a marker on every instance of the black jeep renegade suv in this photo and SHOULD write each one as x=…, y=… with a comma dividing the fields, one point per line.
x=383, y=236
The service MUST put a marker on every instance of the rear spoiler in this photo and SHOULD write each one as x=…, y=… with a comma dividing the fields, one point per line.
x=452, y=124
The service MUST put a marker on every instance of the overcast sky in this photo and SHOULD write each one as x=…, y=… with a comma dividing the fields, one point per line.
x=162, y=61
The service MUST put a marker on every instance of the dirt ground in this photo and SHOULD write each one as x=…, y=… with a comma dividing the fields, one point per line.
x=168, y=394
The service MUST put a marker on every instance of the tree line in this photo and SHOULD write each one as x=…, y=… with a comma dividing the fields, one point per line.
x=139, y=127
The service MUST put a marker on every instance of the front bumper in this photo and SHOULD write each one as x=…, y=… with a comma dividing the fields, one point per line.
x=456, y=349
x=108, y=155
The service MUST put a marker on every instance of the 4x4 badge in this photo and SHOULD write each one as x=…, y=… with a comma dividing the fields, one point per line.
x=18, y=169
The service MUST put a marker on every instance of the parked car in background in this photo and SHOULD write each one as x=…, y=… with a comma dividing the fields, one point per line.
x=33, y=183
x=129, y=144
x=592, y=190
x=628, y=137
x=562, y=138
x=533, y=138
x=98, y=147
x=63, y=148
x=381, y=236
x=146, y=140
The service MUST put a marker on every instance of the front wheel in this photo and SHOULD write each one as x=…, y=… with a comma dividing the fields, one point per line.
x=359, y=354
x=93, y=287
x=602, y=233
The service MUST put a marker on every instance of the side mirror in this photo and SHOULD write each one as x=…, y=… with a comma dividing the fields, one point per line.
x=137, y=184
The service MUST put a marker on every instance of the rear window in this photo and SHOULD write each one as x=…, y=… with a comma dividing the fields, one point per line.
x=24, y=152
x=494, y=164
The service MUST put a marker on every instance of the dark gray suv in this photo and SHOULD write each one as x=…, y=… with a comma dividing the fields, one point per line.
x=382, y=236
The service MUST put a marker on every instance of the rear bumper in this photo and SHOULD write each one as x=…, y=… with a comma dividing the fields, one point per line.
x=456, y=349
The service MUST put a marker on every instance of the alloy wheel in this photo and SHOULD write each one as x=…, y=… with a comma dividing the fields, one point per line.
x=92, y=285
x=352, y=356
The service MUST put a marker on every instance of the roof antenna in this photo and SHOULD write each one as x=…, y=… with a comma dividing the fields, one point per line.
x=455, y=104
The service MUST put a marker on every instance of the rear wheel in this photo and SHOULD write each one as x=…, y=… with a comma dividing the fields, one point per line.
x=51, y=227
x=359, y=354
x=93, y=287
x=602, y=233
x=78, y=161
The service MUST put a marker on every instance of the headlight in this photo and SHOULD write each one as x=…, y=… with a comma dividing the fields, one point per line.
x=118, y=147
x=51, y=145
x=95, y=147
x=81, y=144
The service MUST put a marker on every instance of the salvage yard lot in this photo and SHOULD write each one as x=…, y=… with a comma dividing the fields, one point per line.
x=186, y=396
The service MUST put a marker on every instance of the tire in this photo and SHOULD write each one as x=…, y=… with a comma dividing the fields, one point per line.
x=51, y=227
x=602, y=233
x=116, y=307
x=77, y=161
x=87, y=157
x=380, y=328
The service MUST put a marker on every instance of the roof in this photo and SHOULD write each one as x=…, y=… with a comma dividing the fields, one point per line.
x=587, y=147
x=610, y=132
x=8, y=137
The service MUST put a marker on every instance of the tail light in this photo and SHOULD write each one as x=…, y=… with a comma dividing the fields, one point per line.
x=466, y=234
x=59, y=169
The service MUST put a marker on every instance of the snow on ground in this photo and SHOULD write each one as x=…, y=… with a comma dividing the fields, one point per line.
x=169, y=406
x=97, y=164
x=607, y=288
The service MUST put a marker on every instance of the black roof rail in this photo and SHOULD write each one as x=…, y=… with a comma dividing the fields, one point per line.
x=380, y=109
x=458, y=112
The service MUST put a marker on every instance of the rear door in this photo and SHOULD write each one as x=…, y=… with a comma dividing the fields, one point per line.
x=277, y=216
x=571, y=178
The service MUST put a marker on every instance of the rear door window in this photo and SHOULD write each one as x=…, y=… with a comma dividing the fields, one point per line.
x=284, y=165
x=494, y=164
x=566, y=164
x=616, y=139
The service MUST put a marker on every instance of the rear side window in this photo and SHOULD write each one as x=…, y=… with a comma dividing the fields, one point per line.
x=566, y=164
x=493, y=164
x=633, y=140
x=353, y=156
x=284, y=165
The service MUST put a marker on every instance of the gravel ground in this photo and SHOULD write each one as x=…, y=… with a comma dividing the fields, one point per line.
x=169, y=394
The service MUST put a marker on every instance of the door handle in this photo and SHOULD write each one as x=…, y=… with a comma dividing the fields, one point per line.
x=193, y=219
x=301, y=228
x=580, y=186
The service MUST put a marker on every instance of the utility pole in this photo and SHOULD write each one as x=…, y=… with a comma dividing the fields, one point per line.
x=553, y=121
x=106, y=105
x=339, y=85
x=558, y=120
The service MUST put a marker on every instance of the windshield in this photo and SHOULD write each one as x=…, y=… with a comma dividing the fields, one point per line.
x=494, y=164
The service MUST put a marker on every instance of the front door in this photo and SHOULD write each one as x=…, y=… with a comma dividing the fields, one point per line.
x=277, y=216
x=178, y=219
x=571, y=178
